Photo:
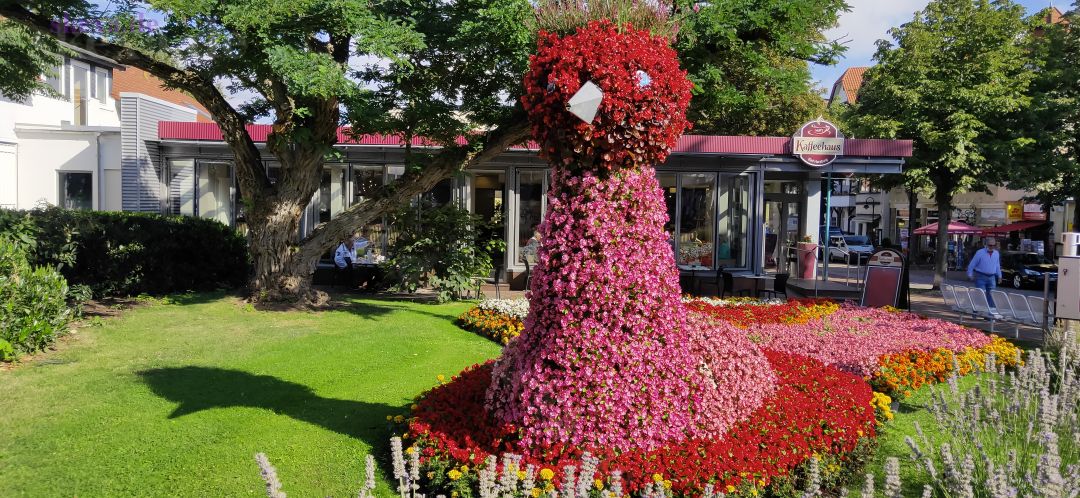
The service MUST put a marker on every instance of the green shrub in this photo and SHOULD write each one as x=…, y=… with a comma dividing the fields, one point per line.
x=118, y=253
x=442, y=248
x=33, y=303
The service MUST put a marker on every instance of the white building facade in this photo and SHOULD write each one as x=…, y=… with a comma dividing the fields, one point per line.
x=63, y=149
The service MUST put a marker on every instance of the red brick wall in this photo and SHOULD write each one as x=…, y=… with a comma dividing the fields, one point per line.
x=132, y=79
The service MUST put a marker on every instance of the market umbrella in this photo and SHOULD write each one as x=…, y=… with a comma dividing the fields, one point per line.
x=955, y=228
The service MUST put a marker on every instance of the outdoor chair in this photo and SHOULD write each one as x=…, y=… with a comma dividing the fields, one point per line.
x=1021, y=310
x=949, y=298
x=498, y=272
x=1004, y=307
x=1036, y=304
x=981, y=306
x=528, y=272
x=720, y=279
x=963, y=301
x=779, y=286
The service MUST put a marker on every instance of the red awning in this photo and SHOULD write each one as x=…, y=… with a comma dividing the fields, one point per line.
x=1013, y=227
x=955, y=228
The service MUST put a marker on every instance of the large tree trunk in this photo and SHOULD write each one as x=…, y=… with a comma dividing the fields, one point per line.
x=941, y=259
x=272, y=240
x=913, y=203
x=284, y=264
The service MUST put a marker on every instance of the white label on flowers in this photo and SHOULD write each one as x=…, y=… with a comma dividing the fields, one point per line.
x=586, y=102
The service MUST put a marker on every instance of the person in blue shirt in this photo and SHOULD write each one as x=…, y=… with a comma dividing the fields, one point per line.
x=985, y=269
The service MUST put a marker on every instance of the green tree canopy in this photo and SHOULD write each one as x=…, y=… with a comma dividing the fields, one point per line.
x=948, y=80
x=432, y=68
x=1046, y=151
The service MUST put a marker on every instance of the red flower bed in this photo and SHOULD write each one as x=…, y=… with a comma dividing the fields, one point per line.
x=744, y=315
x=816, y=409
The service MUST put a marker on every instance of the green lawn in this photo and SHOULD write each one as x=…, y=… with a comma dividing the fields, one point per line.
x=175, y=399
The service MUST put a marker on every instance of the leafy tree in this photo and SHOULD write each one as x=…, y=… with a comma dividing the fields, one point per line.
x=947, y=80
x=412, y=68
x=1047, y=151
x=748, y=60
x=295, y=57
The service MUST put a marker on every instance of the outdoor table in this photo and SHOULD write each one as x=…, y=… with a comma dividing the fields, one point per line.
x=756, y=282
x=368, y=276
x=693, y=270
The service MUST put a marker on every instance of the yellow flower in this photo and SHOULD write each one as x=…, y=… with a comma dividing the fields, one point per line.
x=667, y=484
x=414, y=407
x=410, y=450
x=454, y=474
x=657, y=478
x=399, y=419
x=389, y=418
x=753, y=491
x=521, y=474
x=536, y=492
x=441, y=378
x=547, y=474
x=599, y=483
x=464, y=468
x=730, y=488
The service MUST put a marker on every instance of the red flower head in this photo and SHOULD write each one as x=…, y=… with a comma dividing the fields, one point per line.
x=645, y=96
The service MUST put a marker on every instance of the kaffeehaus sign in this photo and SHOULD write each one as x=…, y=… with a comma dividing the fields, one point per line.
x=818, y=143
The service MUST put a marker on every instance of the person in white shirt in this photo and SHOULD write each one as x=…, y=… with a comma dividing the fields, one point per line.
x=343, y=260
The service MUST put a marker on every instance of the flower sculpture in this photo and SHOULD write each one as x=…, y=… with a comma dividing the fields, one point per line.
x=609, y=356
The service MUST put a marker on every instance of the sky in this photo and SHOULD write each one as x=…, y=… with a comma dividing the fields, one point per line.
x=869, y=20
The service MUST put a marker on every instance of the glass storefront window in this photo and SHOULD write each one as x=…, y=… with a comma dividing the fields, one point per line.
x=530, y=190
x=669, y=184
x=215, y=192
x=366, y=180
x=697, y=218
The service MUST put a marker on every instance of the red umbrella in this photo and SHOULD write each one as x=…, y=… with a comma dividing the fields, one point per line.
x=955, y=228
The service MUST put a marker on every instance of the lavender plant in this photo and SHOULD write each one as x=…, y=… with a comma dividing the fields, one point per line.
x=1012, y=434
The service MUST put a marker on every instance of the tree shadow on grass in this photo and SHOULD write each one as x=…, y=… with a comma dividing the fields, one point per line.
x=375, y=307
x=204, y=388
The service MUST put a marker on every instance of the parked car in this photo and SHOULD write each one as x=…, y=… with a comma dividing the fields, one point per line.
x=853, y=249
x=1026, y=269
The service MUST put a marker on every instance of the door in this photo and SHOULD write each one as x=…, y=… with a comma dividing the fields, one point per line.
x=488, y=196
x=781, y=229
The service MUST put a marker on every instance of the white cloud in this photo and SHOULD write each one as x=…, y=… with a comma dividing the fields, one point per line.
x=868, y=22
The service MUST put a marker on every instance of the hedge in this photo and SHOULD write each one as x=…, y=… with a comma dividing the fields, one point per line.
x=33, y=303
x=119, y=253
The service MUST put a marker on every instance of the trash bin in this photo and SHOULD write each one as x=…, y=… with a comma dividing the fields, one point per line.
x=807, y=252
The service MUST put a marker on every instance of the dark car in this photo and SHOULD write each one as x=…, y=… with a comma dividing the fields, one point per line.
x=1026, y=269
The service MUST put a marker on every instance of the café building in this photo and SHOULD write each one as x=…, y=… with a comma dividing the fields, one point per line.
x=732, y=201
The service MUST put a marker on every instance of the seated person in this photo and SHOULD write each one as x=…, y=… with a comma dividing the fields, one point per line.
x=344, y=256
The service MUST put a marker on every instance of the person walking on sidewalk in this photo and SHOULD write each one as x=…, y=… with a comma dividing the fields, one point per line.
x=985, y=269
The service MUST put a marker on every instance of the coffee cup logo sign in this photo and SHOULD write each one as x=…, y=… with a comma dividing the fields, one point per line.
x=818, y=143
